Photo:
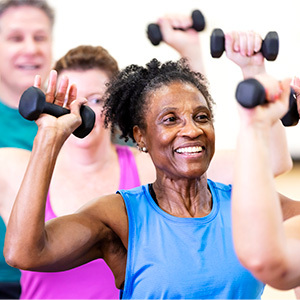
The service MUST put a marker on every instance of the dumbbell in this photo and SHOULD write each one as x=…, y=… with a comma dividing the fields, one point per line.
x=33, y=103
x=155, y=36
x=251, y=92
x=269, y=48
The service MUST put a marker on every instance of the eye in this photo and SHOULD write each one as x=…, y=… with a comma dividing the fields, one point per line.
x=202, y=117
x=96, y=101
x=40, y=38
x=169, y=119
x=15, y=38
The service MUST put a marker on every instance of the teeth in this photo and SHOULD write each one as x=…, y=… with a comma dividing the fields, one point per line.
x=28, y=67
x=189, y=150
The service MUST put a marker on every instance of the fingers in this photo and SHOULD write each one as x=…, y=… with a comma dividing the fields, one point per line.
x=177, y=21
x=50, y=93
x=72, y=95
x=37, y=81
x=61, y=91
x=295, y=84
x=246, y=43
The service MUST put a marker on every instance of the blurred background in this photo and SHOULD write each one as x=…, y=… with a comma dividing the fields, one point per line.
x=120, y=27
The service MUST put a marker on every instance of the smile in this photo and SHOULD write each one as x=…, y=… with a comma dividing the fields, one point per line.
x=189, y=150
x=28, y=67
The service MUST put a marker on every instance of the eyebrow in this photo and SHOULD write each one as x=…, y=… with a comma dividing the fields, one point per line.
x=166, y=109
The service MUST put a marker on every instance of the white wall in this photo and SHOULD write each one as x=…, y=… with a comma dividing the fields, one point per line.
x=120, y=27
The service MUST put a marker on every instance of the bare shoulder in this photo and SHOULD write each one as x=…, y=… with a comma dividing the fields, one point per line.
x=292, y=227
x=9, y=156
x=145, y=166
x=109, y=210
x=13, y=163
x=221, y=166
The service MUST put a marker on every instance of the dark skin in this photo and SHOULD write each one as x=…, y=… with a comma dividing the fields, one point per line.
x=181, y=144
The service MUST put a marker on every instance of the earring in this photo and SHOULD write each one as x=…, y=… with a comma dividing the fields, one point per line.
x=143, y=149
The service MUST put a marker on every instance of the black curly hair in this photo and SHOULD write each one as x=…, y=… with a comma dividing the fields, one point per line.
x=126, y=94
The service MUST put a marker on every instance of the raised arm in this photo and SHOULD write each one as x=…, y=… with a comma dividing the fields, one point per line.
x=186, y=43
x=243, y=49
x=67, y=241
x=258, y=232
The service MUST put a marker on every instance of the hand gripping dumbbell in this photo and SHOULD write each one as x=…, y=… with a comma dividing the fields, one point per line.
x=250, y=93
x=269, y=48
x=33, y=103
x=155, y=36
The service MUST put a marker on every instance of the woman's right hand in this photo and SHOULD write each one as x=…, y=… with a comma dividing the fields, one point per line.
x=62, y=126
x=295, y=84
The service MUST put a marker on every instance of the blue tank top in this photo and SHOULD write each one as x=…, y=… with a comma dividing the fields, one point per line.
x=191, y=258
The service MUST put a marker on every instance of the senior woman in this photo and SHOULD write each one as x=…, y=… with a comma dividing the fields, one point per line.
x=169, y=239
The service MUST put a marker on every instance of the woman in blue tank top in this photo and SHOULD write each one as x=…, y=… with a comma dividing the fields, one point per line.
x=168, y=239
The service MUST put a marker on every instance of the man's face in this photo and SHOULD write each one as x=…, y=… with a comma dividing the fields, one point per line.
x=25, y=47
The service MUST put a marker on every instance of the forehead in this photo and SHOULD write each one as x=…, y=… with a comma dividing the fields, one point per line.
x=177, y=95
x=87, y=81
x=24, y=18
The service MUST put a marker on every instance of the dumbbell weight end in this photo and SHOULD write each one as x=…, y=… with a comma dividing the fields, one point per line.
x=32, y=104
x=250, y=93
x=154, y=33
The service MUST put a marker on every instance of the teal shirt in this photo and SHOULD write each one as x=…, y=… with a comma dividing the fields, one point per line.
x=7, y=273
x=15, y=132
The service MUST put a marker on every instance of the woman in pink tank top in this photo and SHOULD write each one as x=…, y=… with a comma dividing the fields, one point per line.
x=106, y=168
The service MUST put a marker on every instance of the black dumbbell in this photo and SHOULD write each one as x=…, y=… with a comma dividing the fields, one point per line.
x=251, y=92
x=269, y=48
x=33, y=103
x=155, y=36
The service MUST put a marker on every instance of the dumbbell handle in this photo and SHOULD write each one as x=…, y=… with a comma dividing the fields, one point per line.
x=32, y=104
x=251, y=92
x=269, y=47
x=155, y=36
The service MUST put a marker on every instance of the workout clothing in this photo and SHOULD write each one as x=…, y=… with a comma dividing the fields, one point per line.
x=93, y=280
x=183, y=258
x=15, y=131
x=9, y=277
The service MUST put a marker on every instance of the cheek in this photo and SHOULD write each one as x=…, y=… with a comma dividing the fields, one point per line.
x=99, y=115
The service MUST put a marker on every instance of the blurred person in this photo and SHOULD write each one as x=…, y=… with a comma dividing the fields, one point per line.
x=25, y=50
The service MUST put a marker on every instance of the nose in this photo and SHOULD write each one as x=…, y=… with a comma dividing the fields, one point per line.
x=191, y=129
x=30, y=45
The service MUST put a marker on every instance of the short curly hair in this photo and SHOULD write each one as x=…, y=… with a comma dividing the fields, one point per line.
x=126, y=94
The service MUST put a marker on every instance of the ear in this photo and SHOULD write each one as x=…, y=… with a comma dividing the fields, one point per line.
x=138, y=136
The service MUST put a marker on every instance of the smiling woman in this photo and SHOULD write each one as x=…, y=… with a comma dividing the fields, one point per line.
x=184, y=217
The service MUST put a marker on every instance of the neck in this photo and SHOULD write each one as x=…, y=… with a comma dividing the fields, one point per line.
x=90, y=158
x=9, y=97
x=188, y=198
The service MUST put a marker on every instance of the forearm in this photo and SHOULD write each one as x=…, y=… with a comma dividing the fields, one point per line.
x=26, y=237
x=281, y=159
x=194, y=55
x=256, y=213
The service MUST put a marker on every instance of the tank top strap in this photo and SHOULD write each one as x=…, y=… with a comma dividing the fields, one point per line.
x=129, y=177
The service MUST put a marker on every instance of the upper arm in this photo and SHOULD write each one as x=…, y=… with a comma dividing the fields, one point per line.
x=90, y=233
x=13, y=163
x=221, y=166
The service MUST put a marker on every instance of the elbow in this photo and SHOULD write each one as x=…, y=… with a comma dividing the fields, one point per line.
x=18, y=258
x=270, y=269
x=13, y=259
x=285, y=166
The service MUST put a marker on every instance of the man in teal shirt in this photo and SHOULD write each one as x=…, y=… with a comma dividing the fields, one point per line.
x=25, y=50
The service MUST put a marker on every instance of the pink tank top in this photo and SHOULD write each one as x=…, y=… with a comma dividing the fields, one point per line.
x=93, y=280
